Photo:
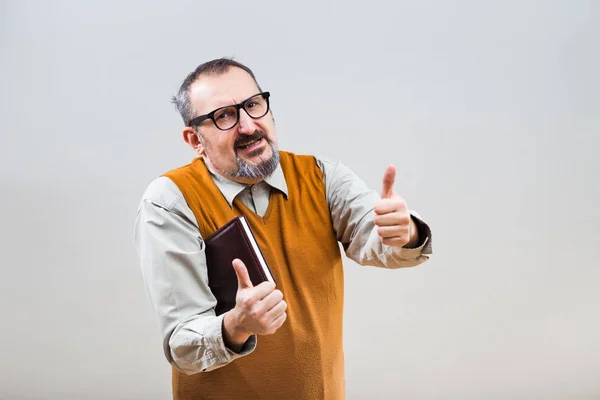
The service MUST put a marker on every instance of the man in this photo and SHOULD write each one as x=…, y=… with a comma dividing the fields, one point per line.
x=281, y=342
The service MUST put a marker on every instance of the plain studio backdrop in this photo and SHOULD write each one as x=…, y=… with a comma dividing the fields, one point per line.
x=490, y=111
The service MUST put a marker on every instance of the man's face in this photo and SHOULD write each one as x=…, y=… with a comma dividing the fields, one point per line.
x=227, y=151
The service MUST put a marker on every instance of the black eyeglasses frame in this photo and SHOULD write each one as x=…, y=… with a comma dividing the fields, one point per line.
x=211, y=115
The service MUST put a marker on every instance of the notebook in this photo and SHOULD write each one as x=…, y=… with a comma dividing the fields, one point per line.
x=233, y=240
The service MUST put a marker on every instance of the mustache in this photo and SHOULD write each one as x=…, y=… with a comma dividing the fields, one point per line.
x=245, y=139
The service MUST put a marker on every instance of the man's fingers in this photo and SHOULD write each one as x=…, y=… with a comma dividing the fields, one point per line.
x=271, y=299
x=279, y=320
x=393, y=231
x=276, y=311
x=262, y=291
x=385, y=206
x=392, y=218
x=243, y=278
x=388, y=182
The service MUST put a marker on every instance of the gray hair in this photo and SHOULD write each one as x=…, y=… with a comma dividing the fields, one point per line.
x=213, y=67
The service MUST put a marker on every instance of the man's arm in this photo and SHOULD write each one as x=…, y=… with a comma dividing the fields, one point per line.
x=351, y=204
x=173, y=263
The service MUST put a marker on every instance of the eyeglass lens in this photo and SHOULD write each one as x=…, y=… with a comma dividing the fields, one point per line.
x=227, y=117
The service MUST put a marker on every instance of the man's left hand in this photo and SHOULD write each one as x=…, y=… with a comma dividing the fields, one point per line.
x=394, y=224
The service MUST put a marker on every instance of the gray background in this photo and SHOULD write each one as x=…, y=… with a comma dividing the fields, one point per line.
x=490, y=110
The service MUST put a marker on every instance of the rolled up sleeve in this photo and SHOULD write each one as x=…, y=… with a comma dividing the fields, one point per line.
x=351, y=204
x=173, y=264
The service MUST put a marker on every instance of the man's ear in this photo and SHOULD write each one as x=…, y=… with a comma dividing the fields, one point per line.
x=191, y=137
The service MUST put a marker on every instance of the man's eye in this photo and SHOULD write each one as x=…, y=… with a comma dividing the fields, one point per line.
x=224, y=115
x=251, y=104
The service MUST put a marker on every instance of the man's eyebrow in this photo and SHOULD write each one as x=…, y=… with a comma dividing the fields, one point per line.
x=217, y=105
x=231, y=102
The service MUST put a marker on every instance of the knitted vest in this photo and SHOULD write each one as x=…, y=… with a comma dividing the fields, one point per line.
x=304, y=359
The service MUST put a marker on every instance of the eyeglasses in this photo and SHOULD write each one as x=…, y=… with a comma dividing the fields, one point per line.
x=227, y=117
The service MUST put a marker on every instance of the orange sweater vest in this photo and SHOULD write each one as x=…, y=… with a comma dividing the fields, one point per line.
x=304, y=359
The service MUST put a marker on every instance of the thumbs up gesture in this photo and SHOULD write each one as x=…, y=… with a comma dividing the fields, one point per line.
x=394, y=223
x=258, y=310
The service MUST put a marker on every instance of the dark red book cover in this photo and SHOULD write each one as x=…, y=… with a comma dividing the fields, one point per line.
x=233, y=240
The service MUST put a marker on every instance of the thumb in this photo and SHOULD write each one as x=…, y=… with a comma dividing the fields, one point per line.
x=388, y=182
x=241, y=272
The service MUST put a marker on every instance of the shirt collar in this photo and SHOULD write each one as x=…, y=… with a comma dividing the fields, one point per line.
x=230, y=189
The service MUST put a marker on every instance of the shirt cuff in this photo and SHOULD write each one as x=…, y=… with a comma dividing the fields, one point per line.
x=225, y=355
x=199, y=346
x=424, y=234
x=419, y=253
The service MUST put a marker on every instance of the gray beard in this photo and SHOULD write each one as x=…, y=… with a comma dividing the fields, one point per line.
x=258, y=172
x=245, y=171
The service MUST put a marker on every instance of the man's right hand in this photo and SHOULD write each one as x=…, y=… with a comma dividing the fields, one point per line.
x=258, y=310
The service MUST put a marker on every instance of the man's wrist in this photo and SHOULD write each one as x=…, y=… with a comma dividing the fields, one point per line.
x=233, y=337
x=415, y=237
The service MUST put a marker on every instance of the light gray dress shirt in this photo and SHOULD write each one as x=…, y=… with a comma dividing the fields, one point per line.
x=173, y=263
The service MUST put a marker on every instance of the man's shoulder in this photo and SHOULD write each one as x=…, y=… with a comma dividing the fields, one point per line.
x=163, y=192
x=183, y=169
x=320, y=160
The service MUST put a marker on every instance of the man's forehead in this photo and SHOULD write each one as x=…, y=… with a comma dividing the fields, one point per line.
x=212, y=91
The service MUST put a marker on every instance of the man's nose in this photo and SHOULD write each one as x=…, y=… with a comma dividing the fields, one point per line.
x=245, y=124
